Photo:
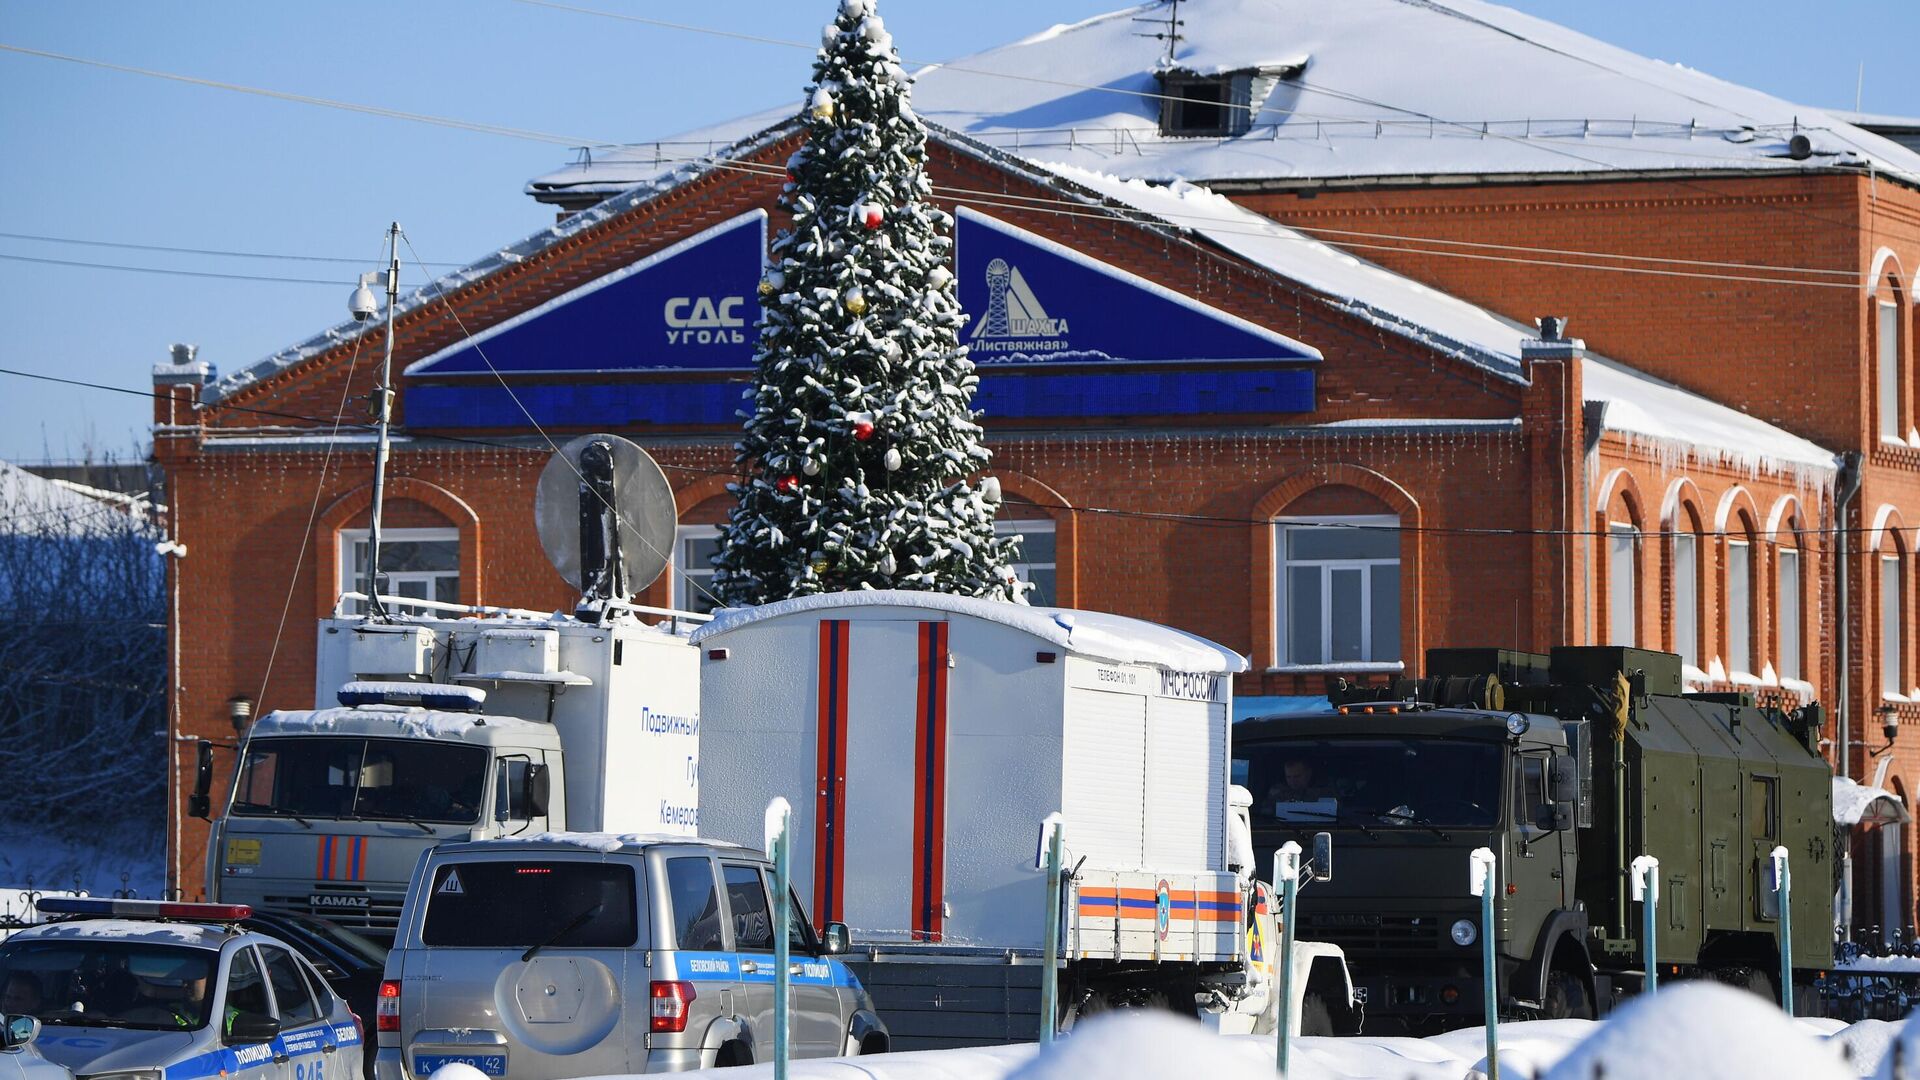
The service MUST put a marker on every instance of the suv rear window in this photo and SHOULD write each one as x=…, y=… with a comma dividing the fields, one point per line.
x=515, y=904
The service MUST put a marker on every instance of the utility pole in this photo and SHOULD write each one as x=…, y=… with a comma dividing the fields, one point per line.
x=382, y=414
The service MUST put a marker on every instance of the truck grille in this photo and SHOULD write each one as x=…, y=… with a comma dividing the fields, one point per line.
x=1361, y=934
x=381, y=914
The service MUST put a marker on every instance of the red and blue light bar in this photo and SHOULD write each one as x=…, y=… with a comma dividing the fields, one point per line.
x=142, y=909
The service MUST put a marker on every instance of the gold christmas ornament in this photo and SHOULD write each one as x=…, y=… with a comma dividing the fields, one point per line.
x=822, y=105
x=856, y=301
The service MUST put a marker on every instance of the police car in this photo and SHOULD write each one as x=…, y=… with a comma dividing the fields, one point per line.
x=151, y=990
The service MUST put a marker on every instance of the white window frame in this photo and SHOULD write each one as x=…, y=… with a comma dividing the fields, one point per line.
x=1686, y=597
x=1024, y=526
x=683, y=592
x=1887, y=365
x=352, y=582
x=1786, y=613
x=1740, y=609
x=1892, y=626
x=1328, y=566
x=1623, y=589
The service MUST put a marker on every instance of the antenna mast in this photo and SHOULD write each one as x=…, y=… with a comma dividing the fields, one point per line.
x=382, y=414
x=1171, y=35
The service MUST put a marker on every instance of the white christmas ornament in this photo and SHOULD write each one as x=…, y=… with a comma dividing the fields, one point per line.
x=990, y=489
x=887, y=565
x=891, y=460
x=939, y=277
x=810, y=467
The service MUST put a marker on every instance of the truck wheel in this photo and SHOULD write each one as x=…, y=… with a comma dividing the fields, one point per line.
x=1566, y=997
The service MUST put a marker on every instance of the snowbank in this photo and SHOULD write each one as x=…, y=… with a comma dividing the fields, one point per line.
x=1700, y=1031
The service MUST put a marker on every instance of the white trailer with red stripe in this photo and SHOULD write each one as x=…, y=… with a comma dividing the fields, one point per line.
x=921, y=738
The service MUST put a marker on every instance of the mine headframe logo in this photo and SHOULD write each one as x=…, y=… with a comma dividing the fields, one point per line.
x=1012, y=309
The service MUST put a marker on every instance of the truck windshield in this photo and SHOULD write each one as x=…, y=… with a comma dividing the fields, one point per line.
x=346, y=777
x=1395, y=782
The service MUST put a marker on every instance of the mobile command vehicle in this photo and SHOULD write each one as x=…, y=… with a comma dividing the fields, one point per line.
x=142, y=989
x=458, y=723
x=585, y=955
x=921, y=740
x=1567, y=767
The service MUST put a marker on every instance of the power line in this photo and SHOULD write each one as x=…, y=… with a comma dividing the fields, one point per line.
x=194, y=251
x=306, y=99
x=174, y=273
x=1210, y=520
x=575, y=142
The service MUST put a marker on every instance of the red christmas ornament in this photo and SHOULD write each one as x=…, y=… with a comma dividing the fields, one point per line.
x=863, y=430
x=788, y=482
x=872, y=216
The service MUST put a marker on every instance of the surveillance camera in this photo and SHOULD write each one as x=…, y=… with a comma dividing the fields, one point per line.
x=362, y=304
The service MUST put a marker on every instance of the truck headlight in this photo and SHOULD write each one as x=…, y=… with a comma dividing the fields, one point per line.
x=1464, y=932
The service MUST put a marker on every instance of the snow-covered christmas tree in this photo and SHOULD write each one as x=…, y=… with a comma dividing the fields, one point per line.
x=862, y=434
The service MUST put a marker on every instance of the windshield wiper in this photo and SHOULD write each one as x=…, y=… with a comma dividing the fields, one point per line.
x=416, y=823
x=280, y=811
x=1410, y=819
x=575, y=923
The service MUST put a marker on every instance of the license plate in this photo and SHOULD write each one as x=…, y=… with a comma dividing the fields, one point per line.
x=491, y=1064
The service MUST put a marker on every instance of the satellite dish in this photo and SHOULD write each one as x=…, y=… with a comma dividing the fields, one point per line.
x=606, y=517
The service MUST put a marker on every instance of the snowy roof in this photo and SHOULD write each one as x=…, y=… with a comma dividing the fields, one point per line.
x=1854, y=802
x=1472, y=89
x=1650, y=412
x=38, y=506
x=602, y=841
x=1087, y=633
x=396, y=721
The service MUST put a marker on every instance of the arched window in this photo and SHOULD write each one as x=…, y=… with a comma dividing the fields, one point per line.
x=1789, y=584
x=1036, y=530
x=1890, y=594
x=1337, y=579
x=1685, y=581
x=1887, y=318
x=1740, y=571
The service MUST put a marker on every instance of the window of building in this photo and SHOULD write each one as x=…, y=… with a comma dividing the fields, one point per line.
x=1892, y=647
x=1686, y=598
x=420, y=563
x=1198, y=106
x=693, y=550
x=1036, y=565
x=1739, y=607
x=1622, y=580
x=1887, y=341
x=1338, y=586
x=1787, y=613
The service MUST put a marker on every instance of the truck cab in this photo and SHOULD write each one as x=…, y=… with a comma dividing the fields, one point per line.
x=1408, y=793
x=332, y=807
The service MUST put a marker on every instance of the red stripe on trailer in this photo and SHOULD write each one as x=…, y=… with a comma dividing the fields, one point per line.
x=323, y=870
x=830, y=756
x=930, y=785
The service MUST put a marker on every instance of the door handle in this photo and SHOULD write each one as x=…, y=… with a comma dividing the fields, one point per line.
x=327, y=1048
x=748, y=967
x=281, y=1059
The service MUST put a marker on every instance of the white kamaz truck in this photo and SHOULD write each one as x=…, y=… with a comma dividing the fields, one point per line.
x=921, y=740
x=436, y=722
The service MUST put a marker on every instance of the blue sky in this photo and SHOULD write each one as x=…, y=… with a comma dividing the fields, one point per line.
x=98, y=155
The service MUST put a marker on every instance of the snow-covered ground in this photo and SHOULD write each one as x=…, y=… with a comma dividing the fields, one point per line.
x=1690, y=1031
x=33, y=859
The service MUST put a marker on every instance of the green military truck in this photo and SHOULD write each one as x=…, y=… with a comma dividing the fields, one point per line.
x=1567, y=767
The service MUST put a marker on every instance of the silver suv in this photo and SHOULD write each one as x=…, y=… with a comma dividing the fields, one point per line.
x=570, y=955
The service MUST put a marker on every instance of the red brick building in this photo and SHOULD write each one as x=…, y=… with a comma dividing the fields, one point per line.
x=1409, y=466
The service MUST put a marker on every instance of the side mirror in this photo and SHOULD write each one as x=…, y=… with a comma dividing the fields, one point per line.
x=1322, y=862
x=20, y=1031
x=1563, y=782
x=251, y=1028
x=837, y=939
x=538, y=788
x=198, y=803
x=1562, y=816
